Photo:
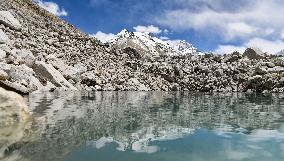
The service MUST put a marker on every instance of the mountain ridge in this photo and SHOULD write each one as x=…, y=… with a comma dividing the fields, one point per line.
x=151, y=44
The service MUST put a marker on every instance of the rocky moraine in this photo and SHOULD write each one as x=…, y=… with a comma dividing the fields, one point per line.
x=39, y=51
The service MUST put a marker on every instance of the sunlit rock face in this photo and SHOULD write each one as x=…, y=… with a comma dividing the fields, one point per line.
x=13, y=116
x=63, y=122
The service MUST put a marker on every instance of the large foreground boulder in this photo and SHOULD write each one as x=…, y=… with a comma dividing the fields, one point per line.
x=47, y=72
x=14, y=114
x=12, y=107
x=8, y=20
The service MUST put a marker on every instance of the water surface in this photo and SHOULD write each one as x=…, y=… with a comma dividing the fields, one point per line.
x=151, y=126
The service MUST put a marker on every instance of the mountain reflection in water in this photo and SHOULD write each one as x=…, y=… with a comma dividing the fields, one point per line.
x=150, y=126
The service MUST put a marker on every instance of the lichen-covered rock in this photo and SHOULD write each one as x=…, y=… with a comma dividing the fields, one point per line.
x=9, y=20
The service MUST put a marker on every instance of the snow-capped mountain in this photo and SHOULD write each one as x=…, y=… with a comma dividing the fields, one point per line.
x=148, y=44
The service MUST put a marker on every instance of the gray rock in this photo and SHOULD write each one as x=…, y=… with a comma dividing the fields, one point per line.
x=97, y=88
x=279, y=61
x=14, y=115
x=88, y=78
x=8, y=20
x=3, y=75
x=136, y=85
x=232, y=57
x=255, y=82
x=270, y=64
x=22, y=57
x=108, y=87
x=15, y=86
x=260, y=70
x=281, y=81
x=276, y=69
x=219, y=72
x=254, y=53
x=175, y=87
x=2, y=55
x=48, y=72
x=4, y=39
x=24, y=76
x=73, y=73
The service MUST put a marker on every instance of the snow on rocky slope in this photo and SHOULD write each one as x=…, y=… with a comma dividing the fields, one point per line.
x=148, y=44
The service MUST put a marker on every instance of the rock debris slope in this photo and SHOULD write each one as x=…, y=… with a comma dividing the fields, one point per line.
x=38, y=51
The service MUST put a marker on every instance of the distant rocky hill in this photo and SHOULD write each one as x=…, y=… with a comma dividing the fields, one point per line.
x=39, y=51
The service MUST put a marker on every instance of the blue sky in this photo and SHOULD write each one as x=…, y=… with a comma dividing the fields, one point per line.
x=210, y=25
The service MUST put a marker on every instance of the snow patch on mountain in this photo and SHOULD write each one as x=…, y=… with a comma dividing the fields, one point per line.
x=148, y=44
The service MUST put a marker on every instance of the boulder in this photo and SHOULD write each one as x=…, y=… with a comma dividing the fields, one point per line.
x=136, y=85
x=12, y=107
x=88, y=78
x=254, y=53
x=22, y=57
x=3, y=75
x=2, y=55
x=279, y=61
x=235, y=56
x=14, y=86
x=7, y=19
x=4, y=39
x=255, y=82
x=276, y=69
x=260, y=70
x=73, y=73
x=14, y=114
x=269, y=64
x=21, y=78
x=47, y=72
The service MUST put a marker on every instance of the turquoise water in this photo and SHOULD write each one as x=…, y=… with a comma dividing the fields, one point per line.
x=152, y=126
x=202, y=145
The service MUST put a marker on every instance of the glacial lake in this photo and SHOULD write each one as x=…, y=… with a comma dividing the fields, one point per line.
x=150, y=126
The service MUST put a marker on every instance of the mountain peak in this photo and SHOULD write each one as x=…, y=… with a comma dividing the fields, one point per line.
x=149, y=44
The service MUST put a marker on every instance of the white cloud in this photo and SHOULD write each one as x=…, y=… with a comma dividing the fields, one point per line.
x=103, y=37
x=164, y=38
x=52, y=8
x=230, y=20
x=227, y=49
x=147, y=29
x=266, y=45
x=282, y=34
x=269, y=46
